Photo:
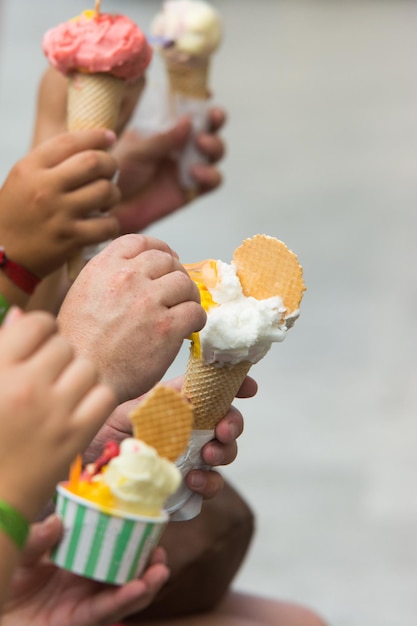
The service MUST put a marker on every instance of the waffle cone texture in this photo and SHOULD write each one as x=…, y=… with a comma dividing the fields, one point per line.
x=211, y=389
x=188, y=79
x=93, y=102
x=164, y=421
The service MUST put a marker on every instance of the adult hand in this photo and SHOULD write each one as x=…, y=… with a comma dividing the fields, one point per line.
x=222, y=450
x=148, y=171
x=129, y=310
x=43, y=595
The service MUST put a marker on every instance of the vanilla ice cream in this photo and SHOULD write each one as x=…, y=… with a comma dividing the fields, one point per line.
x=238, y=328
x=139, y=479
x=187, y=28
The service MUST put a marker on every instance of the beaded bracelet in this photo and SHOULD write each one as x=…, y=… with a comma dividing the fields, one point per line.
x=13, y=524
x=4, y=307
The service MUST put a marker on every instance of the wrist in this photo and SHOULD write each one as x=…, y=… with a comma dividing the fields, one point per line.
x=17, y=274
x=13, y=524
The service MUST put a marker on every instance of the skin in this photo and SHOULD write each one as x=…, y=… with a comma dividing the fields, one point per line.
x=44, y=595
x=50, y=195
x=148, y=175
x=142, y=276
x=56, y=404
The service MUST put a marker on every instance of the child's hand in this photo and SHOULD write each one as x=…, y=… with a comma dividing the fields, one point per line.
x=48, y=201
x=51, y=407
x=43, y=595
x=130, y=309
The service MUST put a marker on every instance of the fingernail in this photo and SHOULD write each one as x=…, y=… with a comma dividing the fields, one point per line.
x=182, y=129
x=110, y=136
x=197, y=481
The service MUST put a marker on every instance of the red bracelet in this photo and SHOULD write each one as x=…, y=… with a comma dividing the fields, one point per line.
x=19, y=275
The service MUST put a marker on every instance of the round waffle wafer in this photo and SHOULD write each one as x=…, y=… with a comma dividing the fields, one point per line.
x=266, y=268
x=164, y=421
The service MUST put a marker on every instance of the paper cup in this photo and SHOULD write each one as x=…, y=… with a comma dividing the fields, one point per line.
x=103, y=546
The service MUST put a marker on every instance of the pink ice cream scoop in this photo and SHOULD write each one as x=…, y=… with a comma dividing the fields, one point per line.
x=98, y=43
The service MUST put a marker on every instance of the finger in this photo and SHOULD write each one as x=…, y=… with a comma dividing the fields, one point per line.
x=84, y=167
x=76, y=381
x=52, y=358
x=211, y=146
x=217, y=118
x=116, y=603
x=248, y=389
x=96, y=229
x=158, y=264
x=132, y=245
x=25, y=336
x=176, y=287
x=216, y=453
x=13, y=314
x=230, y=426
x=207, y=484
x=96, y=196
x=42, y=537
x=206, y=176
x=92, y=412
x=52, y=152
x=188, y=317
x=159, y=145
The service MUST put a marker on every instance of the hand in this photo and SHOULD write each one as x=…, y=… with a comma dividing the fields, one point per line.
x=148, y=173
x=129, y=310
x=222, y=450
x=44, y=595
x=51, y=195
x=51, y=407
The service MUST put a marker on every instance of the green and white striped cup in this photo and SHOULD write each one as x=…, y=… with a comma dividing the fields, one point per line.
x=103, y=546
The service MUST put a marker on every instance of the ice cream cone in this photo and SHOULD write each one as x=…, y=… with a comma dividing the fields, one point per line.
x=211, y=389
x=93, y=102
x=265, y=268
x=188, y=79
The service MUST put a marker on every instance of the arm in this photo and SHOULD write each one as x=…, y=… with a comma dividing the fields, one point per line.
x=57, y=406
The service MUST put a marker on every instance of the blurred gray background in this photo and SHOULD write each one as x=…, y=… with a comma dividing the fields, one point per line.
x=322, y=101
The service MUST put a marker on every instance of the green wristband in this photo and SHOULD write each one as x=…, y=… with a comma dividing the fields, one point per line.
x=4, y=307
x=13, y=524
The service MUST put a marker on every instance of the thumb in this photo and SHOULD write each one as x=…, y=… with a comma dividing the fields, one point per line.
x=160, y=145
x=42, y=537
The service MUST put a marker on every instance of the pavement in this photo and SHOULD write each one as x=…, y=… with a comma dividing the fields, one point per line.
x=322, y=138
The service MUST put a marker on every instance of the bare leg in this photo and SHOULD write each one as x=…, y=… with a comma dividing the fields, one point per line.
x=239, y=609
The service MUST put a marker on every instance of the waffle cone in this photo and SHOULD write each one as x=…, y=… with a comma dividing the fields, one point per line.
x=211, y=389
x=188, y=79
x=164, y=421
x=93, y=102
x=266, y=268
